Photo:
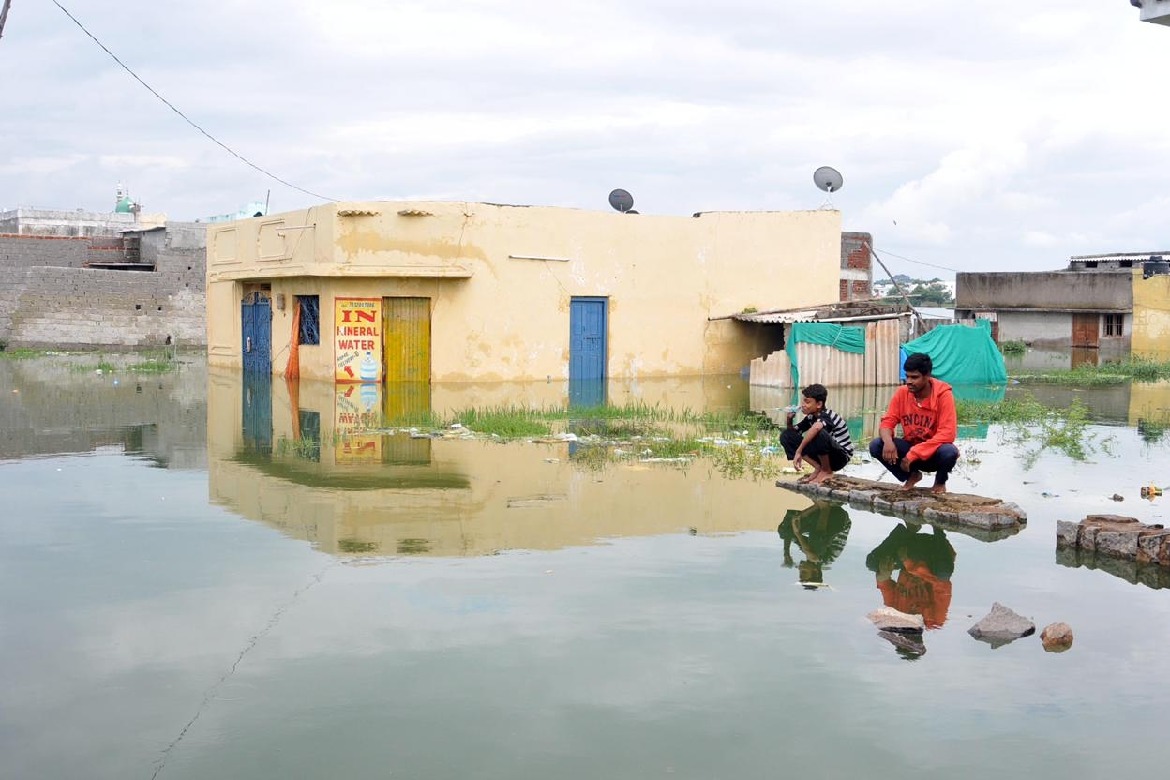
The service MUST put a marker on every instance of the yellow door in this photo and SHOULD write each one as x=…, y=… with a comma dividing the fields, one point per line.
x=407, y=339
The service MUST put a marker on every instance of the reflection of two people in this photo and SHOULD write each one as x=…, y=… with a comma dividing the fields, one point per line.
x=820, y=532
x=913, y=570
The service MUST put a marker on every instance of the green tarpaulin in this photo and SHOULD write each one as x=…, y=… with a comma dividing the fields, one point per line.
x=962, y=355
x=847, y=338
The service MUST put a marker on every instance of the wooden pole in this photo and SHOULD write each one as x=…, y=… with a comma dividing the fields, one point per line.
x=898, y=287
x=4, y=16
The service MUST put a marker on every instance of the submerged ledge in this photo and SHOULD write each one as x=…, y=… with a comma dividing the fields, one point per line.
x=1115, y=536
x=960, y=511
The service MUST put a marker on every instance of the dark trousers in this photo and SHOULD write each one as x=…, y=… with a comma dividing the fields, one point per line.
x=823, y=444
x=941, y=462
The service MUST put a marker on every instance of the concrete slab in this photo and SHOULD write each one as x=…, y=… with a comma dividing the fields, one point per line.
x=984, y=518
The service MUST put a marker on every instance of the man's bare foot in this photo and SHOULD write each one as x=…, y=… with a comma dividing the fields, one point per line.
x=937, y=488
x=912, y=480
x=809, y=477
x=820, y=477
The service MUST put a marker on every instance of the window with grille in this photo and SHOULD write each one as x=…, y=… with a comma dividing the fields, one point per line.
x=1113, y=323
x=310, y=332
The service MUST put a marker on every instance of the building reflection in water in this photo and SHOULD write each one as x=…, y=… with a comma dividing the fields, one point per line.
x=332, y=465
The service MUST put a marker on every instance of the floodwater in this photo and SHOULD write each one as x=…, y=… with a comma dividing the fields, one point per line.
x=207, y=579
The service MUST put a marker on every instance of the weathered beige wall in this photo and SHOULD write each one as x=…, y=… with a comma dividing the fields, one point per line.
x=1151, y=317
x=497, y=317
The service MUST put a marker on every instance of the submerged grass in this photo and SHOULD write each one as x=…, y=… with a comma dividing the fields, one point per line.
x=508, y=422
x=1034, y=427
x=1013, y=347
x=19, y=354
x=1134, y=369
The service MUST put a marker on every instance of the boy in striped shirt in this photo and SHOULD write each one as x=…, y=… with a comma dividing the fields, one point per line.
x=821, y=438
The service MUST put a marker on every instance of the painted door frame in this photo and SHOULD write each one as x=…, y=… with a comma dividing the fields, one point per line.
x=256, y=333
x=406, y=339
x=588, y=338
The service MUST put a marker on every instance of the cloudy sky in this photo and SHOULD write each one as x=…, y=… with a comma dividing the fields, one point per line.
x=996, y=135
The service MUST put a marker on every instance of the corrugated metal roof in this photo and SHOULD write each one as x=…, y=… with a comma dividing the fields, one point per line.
x=810, y=315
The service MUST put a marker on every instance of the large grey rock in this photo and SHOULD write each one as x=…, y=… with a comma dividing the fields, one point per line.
x=1001, y=625
x=890, y=619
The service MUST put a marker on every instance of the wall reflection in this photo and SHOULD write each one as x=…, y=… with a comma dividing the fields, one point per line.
x=73, y=404
x=326, y=463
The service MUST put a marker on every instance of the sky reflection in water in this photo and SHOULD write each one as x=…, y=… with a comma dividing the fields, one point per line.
x=497, y=611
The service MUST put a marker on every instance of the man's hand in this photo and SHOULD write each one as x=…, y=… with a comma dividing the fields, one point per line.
x=797, y=461
x=905, y=464
x=890, y=453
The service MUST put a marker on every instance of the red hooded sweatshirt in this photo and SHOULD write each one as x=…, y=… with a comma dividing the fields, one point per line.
x=925, y=424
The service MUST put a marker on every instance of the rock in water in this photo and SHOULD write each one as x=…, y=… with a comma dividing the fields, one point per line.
x=909, y=646
x=1057, y=637
x=1001, y=625
x=890, y=619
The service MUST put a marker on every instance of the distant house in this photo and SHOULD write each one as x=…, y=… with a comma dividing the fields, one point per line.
x=467, y=292
x=1157, y=11
x=87, y=280
x=1105, y=302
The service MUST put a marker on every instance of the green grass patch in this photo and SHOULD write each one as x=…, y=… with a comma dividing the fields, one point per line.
x=153, y=366
x=19, y=354
x=1013, y=347
x=510, y=422
x=1130, y=369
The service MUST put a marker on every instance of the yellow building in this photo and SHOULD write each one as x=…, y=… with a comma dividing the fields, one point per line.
x=462, y=292
x=1151, y=316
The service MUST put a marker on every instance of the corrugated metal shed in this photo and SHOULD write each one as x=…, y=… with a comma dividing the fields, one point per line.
x=879, y=365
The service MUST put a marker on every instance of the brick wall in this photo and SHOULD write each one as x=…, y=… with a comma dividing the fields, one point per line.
x=856, y=266
x=19, y=252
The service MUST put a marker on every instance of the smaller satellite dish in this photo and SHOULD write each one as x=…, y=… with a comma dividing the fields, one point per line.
x=828, y=179
x=621, y=200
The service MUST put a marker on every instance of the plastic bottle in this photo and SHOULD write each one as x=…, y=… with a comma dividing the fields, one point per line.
x=368, y=370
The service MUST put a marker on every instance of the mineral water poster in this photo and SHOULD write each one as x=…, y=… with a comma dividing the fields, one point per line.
x=359, y=415
x=358, y=339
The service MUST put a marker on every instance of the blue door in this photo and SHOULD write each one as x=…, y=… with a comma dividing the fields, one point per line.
x=257, y=412
x=588, y=320
x=256, y=328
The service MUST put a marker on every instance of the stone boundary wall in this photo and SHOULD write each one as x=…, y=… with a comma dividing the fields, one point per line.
x=49, y=300
x=80, y=308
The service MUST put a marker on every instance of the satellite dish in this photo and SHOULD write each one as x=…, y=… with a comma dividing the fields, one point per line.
x=621, y=200
x=828, y=179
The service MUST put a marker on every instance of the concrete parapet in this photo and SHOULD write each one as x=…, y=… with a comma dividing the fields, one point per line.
x=985, y=518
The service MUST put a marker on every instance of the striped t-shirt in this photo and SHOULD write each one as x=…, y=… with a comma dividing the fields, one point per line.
x=835, y=426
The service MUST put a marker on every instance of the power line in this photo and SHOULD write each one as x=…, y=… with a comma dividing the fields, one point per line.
x=186, y=118
x=921, y=262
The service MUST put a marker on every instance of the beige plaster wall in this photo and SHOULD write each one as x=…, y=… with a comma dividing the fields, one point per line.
x=1151, y=317
x=498, y=315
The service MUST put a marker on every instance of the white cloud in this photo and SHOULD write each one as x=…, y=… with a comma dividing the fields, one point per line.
x=976, y=133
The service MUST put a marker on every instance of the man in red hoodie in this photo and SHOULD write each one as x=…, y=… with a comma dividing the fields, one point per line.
x=925, y=408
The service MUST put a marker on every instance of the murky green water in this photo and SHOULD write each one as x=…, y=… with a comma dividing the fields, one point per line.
x=178, y=604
